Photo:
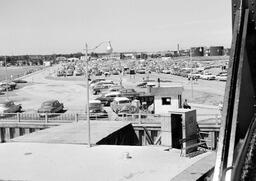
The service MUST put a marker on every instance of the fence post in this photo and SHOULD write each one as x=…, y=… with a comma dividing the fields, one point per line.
x=76, y=117
x=18, y=117
x=46, y=118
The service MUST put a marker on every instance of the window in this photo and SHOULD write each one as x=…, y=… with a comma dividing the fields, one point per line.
x=166, y=101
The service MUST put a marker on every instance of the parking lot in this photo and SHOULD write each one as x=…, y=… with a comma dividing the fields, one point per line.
x=43, y=86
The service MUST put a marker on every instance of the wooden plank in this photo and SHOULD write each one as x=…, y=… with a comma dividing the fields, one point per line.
x=73, y=133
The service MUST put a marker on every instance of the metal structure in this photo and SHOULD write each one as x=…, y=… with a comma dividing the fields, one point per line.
x=237, y=132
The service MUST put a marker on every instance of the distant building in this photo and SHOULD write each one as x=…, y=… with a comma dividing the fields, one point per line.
x=216, y=50
x=197, y=51
x=167, y=98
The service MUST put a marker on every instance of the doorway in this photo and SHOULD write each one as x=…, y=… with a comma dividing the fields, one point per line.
x=176, y=126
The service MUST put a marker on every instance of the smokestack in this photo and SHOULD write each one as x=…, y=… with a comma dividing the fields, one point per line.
x=178, y=49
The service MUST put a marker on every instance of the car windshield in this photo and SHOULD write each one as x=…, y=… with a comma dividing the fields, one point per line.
x=95, y=105
x=124, y=101
x=47, y=104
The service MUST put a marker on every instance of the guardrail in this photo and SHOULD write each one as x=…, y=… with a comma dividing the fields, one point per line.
x=46, y=117
x=75, y=117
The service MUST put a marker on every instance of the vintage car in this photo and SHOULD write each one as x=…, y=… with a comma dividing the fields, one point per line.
x=78, y=72
x=69, y=72
x=20, y=81
x=141, y=71
x=221, y=77
x=9, y=107
x=108, y=98
x=8, y=85
x=114, y=88
x=142, y=84
x=96, y=110
x=208, y=76
x=51, y=106
x=93, y=82
x=129, y=93
x=128, y=110
x=100, y=88
x=118, y=103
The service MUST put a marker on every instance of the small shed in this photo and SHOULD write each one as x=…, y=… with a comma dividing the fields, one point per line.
x=167, y=98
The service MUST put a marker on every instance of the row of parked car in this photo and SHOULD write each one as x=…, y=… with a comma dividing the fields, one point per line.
x=115, y=96
x=208, y=76
x=70, y=69
x=10, y=85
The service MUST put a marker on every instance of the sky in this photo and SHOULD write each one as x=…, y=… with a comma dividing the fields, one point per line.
x=64, y=26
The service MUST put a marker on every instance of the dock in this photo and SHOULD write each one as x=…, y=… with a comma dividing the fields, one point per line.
x=77, y=133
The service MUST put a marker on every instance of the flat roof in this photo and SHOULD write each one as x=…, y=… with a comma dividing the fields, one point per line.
x=74, y=133
x=41, y=161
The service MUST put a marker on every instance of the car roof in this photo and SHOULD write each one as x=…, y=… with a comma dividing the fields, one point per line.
x=112, y=93
x=121, y=99
x=95, y=101
x=50, y=101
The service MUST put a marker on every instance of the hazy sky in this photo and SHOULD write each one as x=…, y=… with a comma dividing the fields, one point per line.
x=63, y=26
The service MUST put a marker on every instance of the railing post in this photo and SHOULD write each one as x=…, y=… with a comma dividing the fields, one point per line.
x=76, y=117
x=46, y=118
x=18, y=117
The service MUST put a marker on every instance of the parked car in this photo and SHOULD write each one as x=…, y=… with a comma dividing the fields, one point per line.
x=9, y=107
x=208, y=77
x=19, y=81
x=222, y=77
x=114, y=88
x=100, y=88
x=129, y=93
x=118, y=103
x=8, y=85
x=108, y=98
x=61, y=73
x=69, y=72
x=128, y=109
x=141, y=71
x=166, y=71
x=78, y=72
x=142, y=84
x=51, y=106
x=96, y=110
x=93, y=82
x=114, y=72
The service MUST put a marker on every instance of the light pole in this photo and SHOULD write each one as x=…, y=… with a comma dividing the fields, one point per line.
x=109, y=50
x=6, y=77
x=191, y=79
